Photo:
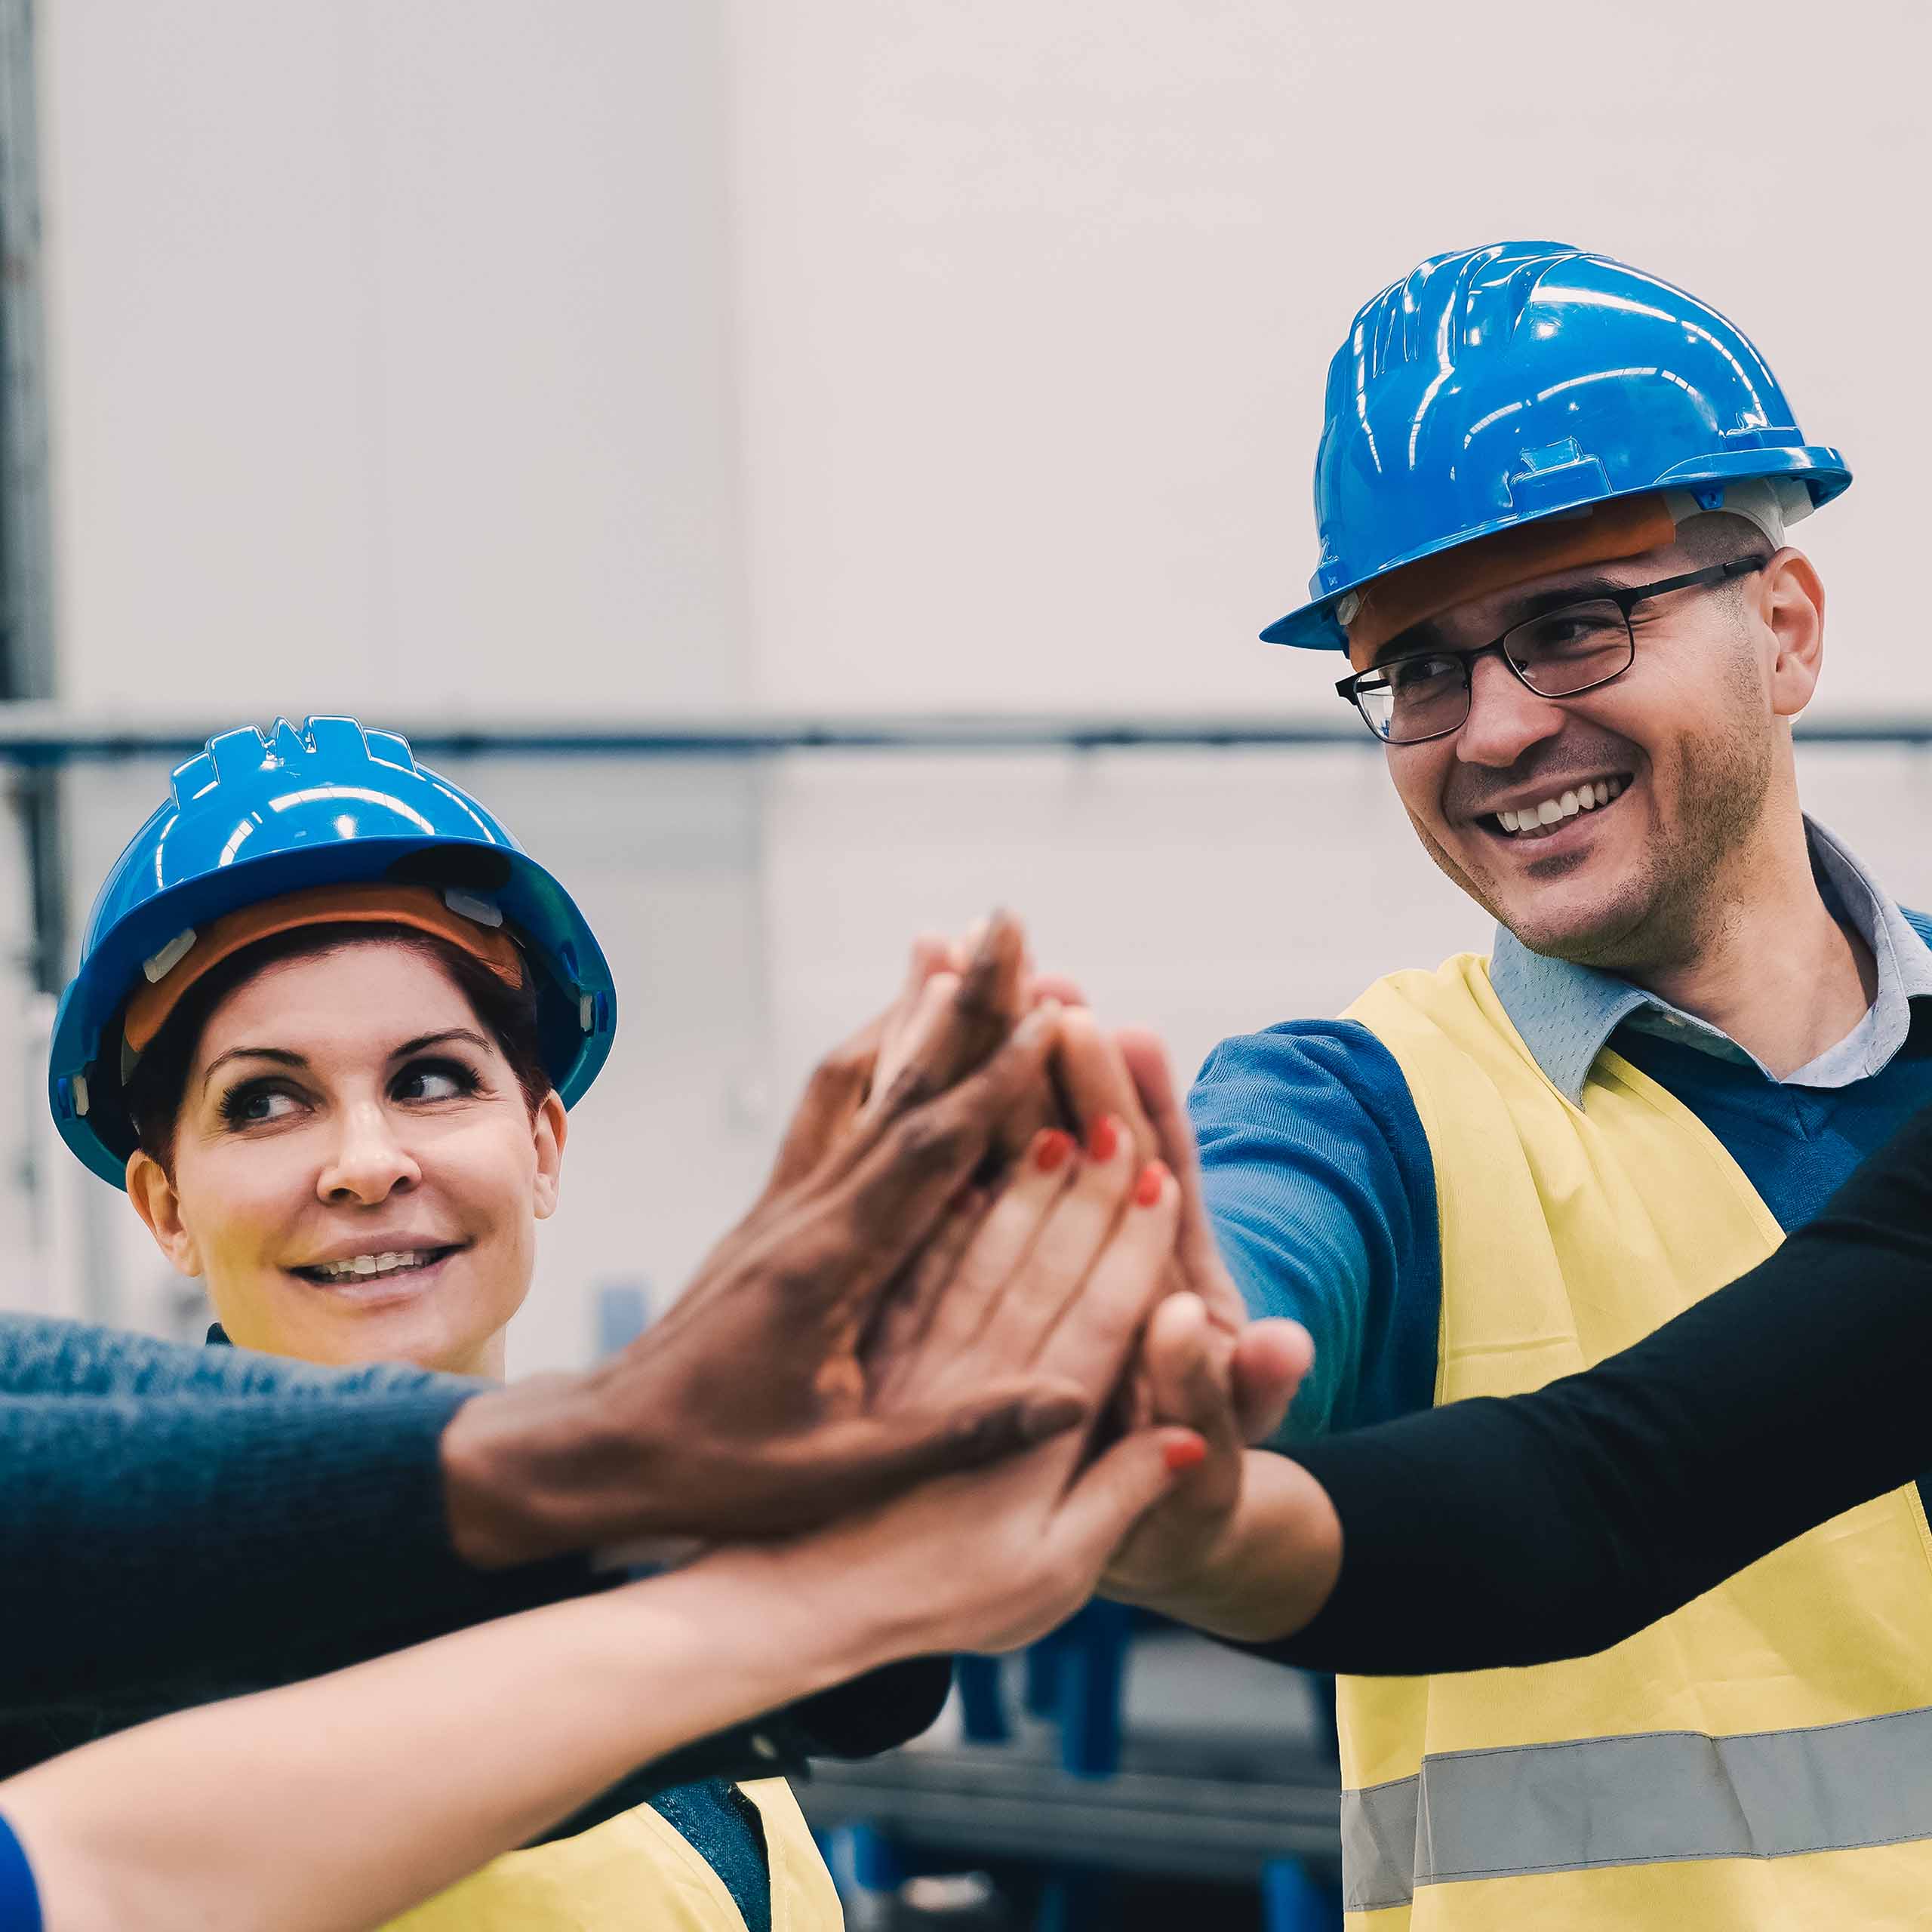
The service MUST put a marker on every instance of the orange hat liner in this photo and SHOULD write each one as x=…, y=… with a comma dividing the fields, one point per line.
x=419, y=908
x=1625, y=526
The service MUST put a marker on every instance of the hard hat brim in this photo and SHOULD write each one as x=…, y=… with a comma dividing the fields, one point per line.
x=1823, y=470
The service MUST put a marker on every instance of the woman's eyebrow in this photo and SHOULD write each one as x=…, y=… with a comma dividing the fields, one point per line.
x=465, y=1034
x=279, y=1055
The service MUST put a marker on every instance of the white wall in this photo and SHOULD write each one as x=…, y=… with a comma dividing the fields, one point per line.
x=390, y=350
x=889, y=352
x=1038, y=301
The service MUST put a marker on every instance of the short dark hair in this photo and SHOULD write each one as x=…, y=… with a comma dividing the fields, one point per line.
x=153, y=1091
x=1722, y=536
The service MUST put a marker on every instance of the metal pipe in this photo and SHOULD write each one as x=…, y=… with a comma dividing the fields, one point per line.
x=40, y=734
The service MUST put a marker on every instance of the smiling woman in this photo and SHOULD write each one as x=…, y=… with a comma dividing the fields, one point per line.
x=328, y=1021
x=348, y=1132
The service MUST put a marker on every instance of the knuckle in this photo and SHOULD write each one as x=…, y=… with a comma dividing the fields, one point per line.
x=845, y=1066
x=803, y=1264
x=978, y=1436
x=932, y=1138
x=912, y=1088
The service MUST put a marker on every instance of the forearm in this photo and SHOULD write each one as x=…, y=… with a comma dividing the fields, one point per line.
x=392, y=1779
x=1554, y=1524
x=145, y=1536
x=1270, y=1569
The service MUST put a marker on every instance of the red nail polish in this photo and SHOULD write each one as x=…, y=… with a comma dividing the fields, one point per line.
x=1147, y=1189
x=1185, y=1452
x=1051, y=1148
x=1103, y=1138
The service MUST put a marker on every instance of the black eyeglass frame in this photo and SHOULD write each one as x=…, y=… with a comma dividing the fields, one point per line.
x=1349, y=687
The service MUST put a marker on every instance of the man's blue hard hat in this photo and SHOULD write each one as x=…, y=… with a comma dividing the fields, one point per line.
x=1512, y=383
x=258, y=815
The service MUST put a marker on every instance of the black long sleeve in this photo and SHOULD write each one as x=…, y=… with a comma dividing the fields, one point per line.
x=1503, y=1532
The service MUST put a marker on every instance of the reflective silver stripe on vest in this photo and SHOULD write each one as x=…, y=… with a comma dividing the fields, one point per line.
x=1645, y=1799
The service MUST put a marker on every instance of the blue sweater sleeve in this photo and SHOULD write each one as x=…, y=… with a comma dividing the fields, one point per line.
x=1319, y=1178
x=188, y=1523
x=19, y=1901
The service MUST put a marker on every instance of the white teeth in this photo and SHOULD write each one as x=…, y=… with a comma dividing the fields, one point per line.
x=1553, y=811
x=388, y=1262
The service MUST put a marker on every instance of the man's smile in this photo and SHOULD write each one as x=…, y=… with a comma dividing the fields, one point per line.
x=1536, y=818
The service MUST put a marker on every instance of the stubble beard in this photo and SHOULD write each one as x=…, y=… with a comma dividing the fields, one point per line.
x=1658, y=914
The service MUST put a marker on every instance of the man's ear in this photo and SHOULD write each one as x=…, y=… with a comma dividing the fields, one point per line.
x=153, y=1193
x=1791, y=605
x=550, y=1130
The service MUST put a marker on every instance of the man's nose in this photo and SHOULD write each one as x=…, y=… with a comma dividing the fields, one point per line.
x=369, y=1162
x=1506, y=716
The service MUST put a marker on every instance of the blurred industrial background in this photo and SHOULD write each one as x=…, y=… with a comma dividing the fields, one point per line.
x=818, y=471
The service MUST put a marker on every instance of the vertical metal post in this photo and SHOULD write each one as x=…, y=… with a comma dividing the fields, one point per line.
x=27, y=655
x=26, y=548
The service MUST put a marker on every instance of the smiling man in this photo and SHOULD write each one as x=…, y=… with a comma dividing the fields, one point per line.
x=1553, y=494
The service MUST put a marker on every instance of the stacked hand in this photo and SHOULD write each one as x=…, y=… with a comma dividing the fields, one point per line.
x=1095, y=1267
x=984, y=1229
x=1200, y=1362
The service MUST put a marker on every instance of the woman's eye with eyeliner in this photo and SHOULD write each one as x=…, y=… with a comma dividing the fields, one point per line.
x=435, y=1080
x=254, y=1105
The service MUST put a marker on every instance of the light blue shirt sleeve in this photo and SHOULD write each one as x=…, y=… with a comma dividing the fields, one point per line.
x=1319, y=1178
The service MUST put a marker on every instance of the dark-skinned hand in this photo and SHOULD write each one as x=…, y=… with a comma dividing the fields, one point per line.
x=748, y=1409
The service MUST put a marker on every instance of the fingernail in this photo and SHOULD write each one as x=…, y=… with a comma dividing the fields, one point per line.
x=1050, y=1148
x=1046, y=1416
x=1147, y=1189
x=1184, y=1452
x=1103, y=1138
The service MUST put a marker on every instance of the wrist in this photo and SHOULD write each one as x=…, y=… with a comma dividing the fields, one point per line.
x=1271, y=1566
x=829, y=1627
x=527, y=1475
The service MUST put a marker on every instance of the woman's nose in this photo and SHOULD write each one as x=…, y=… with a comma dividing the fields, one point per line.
x=1506, y=716
x=369, y=1162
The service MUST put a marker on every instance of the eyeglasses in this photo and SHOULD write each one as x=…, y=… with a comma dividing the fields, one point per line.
x=1560, y=654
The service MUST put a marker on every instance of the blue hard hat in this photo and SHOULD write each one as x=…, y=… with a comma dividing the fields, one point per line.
x=258, y=815
x=1514, y=383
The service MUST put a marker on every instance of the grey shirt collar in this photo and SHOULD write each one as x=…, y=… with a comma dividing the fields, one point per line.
x=1566, y=1014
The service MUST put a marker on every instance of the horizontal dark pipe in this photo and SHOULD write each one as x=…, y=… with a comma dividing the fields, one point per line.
x=36, y=735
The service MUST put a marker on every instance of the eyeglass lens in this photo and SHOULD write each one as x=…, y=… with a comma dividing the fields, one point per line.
x=1557, y=654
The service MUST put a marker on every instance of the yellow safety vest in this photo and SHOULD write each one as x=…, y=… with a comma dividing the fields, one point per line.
x=635, y=1873
x=1760, y=1761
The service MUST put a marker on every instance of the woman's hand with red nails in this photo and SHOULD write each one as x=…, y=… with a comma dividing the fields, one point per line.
x=1055, y=1280
x=1017, y=1297
x=749, y=1407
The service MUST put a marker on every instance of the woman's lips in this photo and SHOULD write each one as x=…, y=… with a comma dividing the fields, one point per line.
x=394, y=1283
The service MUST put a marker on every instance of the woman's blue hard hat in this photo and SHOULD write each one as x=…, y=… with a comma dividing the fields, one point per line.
x=257, y=816
x=1526, y=380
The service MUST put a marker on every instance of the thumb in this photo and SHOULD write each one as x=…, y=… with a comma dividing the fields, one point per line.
x=1113, y=1495
x=1271, y=1358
